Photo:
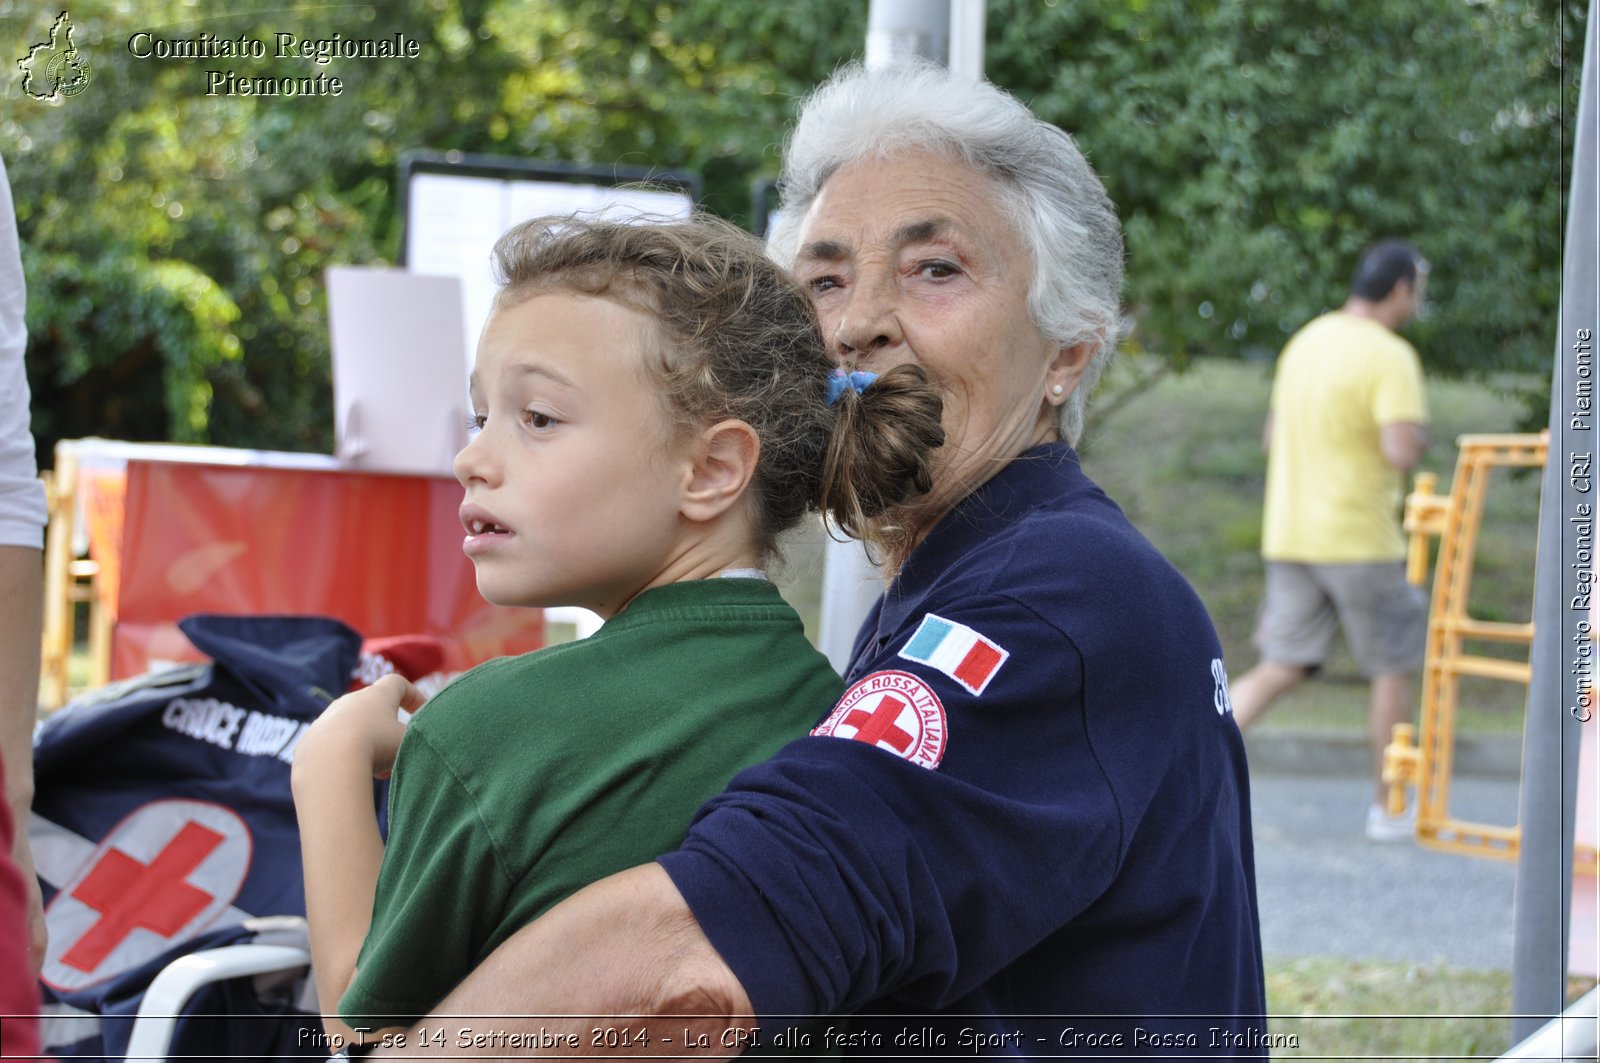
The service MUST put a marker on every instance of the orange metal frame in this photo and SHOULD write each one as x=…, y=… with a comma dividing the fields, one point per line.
x=1421, y=757
x=68, y=580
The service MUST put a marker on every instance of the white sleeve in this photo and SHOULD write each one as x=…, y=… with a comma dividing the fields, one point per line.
x=22, y=505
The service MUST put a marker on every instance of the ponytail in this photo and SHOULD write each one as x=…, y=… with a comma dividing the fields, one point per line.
x=880, y=454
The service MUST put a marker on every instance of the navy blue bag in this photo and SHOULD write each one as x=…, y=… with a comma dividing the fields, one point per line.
x=163, y=823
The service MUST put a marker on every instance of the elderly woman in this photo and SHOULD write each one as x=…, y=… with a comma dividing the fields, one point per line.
x=1031, y=800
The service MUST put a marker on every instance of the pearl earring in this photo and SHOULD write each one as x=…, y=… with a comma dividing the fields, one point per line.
x=1056, y=389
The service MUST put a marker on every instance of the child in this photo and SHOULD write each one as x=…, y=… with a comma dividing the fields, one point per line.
x=654, y=405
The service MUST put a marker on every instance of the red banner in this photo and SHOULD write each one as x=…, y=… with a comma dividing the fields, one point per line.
x=380, y=552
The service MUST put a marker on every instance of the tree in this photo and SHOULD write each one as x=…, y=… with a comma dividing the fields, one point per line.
x=1254, y=149
x=176, y=240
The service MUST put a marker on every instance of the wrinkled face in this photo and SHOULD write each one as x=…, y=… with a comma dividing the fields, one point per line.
x=910, y=259
x=572, y=488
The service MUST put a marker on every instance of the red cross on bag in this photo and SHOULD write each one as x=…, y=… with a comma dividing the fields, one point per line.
x=164, y=874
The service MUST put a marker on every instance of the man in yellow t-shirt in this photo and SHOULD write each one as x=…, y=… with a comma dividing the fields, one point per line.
x=1347, y=422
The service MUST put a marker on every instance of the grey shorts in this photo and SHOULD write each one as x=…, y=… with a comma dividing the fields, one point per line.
x=1385, y=619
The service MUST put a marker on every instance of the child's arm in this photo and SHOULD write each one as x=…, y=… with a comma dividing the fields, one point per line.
x=352, y=742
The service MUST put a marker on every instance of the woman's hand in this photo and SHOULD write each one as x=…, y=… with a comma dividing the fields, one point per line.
x=363, y=727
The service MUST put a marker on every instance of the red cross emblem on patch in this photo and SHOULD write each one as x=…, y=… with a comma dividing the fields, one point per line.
x=894, y=711
x=161, y=876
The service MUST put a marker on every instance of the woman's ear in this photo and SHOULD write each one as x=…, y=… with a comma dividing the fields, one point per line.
x=723, y=460
x=1065, y=371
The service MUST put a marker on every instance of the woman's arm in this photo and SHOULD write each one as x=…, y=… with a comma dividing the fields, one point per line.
x=625, y=946
x=22, y=520
x=352, y=742
x=21, y=591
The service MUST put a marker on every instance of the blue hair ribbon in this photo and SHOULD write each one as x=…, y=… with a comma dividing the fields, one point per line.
x=839, y=380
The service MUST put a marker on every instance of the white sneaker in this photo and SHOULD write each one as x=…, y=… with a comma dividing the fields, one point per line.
x=1382, y=827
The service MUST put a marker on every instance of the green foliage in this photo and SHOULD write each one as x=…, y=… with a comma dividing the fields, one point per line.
x=1254, y=149
x=167, y=316
x=177, y=241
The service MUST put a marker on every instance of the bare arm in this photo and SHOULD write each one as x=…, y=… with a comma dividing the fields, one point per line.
x=1403, y=443
x=1266, y=433
x=21, y=605
x=341, y=848
x=626, y=946
x=22, y=519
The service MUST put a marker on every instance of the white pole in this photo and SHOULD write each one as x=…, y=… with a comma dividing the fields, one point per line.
x=1562, y=667
x=900, y=28
x=966, y=38
x=896, y=29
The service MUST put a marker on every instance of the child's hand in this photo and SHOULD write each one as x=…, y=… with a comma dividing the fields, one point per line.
x=363, y=726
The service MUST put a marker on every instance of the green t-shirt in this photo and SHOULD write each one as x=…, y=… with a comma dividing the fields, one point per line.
x=530, y=777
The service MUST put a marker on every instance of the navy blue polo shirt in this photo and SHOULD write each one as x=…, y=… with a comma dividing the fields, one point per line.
x=1025, y=828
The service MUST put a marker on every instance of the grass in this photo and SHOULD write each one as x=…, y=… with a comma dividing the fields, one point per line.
x=1356, y=1009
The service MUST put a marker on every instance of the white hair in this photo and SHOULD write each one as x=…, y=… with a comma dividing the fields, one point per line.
x=1047, y=190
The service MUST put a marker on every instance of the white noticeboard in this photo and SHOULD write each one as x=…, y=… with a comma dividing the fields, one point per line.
x=403, y=340
x=399, y=387
x=454, y=215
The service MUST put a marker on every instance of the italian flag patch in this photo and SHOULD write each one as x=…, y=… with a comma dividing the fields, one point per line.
x=956, y=650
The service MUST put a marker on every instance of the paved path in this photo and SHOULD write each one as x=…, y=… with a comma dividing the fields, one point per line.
x=1327, y=891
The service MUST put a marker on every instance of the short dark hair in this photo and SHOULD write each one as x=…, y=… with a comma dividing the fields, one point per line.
x=1383, y=265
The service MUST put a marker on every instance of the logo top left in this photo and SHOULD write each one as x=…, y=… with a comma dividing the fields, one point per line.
x=55, y=69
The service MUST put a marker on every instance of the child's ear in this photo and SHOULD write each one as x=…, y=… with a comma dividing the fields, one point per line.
x=724, y=461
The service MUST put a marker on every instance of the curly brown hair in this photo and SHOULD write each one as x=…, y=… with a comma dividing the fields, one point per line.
x=740, y=340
